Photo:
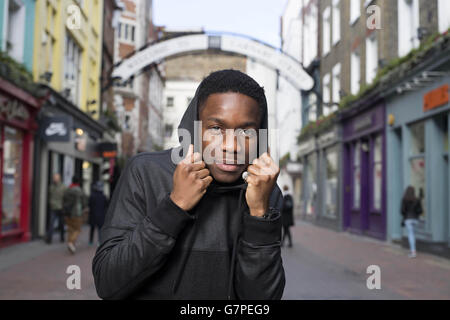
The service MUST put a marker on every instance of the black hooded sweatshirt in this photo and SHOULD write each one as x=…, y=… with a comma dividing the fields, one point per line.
x=152, y=249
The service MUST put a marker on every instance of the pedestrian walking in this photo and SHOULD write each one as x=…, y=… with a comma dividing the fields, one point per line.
x=74, y=203
x=411, y=210
x=55, y=199
x=186, y=225
x=287, y=216
x=98, y=205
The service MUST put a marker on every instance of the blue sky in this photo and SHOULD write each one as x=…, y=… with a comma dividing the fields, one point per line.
x=259, y=19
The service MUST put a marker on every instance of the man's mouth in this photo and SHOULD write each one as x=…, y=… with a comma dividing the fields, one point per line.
x=229, y=165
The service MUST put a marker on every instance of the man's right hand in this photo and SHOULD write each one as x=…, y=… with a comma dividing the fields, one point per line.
x=190, y=180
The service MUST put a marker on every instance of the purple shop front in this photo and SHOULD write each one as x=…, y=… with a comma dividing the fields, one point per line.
x=365, y=172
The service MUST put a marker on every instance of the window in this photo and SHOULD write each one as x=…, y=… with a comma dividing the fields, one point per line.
x=336, y=84
x=331, y=182
x=417, y=162
x=311, y=163
x=377, y=172
x=355, y=72
x=72, y=69
x=357, y=175
x=12, y=179
x=443, y=15
x=326, y=94
x=408, y=23
x=336, y=21
x=312, y=107
x=170, y=101
x=126, y=32
x=132, y=33
x=355, y=10
x=371, y=58
x=168, y=129
x=15, y=30
x=326, y=31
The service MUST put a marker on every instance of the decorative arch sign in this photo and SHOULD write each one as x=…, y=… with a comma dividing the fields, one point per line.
x=287, y=66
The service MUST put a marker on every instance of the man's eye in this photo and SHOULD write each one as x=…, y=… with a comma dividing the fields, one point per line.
x=247, y=133
x=215, y=130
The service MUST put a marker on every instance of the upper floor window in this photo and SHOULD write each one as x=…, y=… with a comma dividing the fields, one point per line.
x=355, y=74
x=336, y=84
x=443, y=15
x=170, y=102
x=408, y=25
x=326, y=30
x=355, y=10
x=15, y=30
x=72, y=69
x=126, y=32
x=371, y=58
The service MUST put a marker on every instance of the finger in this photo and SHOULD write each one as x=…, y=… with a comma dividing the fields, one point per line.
x=207, y=181
x=188, y=158
x=253, y=170
x=196, y=157
x=196, y=166
x=203, y=173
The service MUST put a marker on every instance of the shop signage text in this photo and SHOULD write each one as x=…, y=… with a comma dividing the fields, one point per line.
x=13, y=109
x=56, y=129
x=363, y=123
x=436, y=98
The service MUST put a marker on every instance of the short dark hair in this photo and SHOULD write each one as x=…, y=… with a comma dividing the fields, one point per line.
x=231, y=81
x=75, y=180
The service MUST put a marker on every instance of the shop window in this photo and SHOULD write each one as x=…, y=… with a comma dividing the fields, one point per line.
x=12, y=179
x=311, y=184
x=417, y=138
x=417, y=162
x=331, y=182
x=357, y=175
x=377, y=172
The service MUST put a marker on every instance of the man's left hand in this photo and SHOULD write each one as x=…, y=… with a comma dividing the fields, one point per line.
x=262, y=176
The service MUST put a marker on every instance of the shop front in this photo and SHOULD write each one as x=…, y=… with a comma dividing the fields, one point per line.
x=364, y=196
x=18, y=111
x=418, y=152
x=329, y=155
x=67, y=145
x=309, y=198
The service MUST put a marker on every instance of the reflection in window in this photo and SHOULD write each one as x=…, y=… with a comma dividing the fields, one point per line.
x=377, y=173
x=331, y=182
x=12, y=179
x=357, y=176
x=417, y=162
x=311, y=184
x=417, y=138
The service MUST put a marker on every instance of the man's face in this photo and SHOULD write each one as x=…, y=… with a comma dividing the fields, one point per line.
x=222, y=115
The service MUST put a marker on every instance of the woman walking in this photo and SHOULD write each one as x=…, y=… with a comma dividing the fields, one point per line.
x=411, y=210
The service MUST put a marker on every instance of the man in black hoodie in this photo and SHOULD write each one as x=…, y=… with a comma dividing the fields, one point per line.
x=195, y=229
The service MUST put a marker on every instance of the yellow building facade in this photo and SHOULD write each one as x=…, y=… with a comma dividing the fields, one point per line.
x=68, y=47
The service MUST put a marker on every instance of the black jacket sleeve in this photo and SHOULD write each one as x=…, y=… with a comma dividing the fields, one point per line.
x=136, y=238
x=259, y=267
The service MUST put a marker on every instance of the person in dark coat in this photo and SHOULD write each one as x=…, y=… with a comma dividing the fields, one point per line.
x=411, y=210
x=287, y=216
x=98, y=205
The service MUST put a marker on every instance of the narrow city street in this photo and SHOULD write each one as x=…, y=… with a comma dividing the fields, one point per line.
x=322, y=264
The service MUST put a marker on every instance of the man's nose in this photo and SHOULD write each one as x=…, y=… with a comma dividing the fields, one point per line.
x=230, y=142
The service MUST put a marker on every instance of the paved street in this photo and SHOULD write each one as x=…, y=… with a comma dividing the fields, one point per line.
x=323, y=264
